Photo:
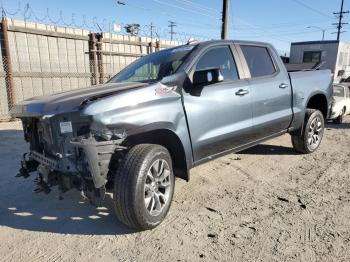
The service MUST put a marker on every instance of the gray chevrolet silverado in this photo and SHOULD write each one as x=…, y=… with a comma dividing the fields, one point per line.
x=165, y=114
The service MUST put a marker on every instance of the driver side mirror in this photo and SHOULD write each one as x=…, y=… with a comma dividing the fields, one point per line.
x=207, y=77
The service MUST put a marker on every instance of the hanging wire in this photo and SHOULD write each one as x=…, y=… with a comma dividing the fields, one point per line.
x=64, y=22
x=36, y=17
x=86, y=25
x=50, y=19
x=26, y=12
x=104, y=25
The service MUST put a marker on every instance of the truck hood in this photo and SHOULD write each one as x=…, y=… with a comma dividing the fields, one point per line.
x=69, y=101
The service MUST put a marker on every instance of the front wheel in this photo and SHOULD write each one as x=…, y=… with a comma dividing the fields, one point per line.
x=144, y=186
x=309, y=139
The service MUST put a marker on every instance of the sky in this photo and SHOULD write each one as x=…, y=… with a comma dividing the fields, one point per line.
x=279, y=22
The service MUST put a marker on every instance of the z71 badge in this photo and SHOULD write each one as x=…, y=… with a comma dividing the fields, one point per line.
x=165, y=90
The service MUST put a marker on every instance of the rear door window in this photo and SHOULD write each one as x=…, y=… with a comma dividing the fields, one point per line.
x=259, y=60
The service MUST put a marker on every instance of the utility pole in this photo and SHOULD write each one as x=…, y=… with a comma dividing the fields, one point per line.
x=152, y=28
x=320, y=28
x=340, y=22
x=152, y=31
x=224, y=28
x=172, y=24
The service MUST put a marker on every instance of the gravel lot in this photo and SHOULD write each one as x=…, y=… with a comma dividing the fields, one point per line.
x=264, y=204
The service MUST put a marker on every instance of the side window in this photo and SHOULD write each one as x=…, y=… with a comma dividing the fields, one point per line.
x=219, y=57
x=259, y=60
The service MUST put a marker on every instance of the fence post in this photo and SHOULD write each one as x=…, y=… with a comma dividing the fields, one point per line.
x=93, y=58
x=7, y=63
x=99, y=46
x=150, y=48
x=157, y=46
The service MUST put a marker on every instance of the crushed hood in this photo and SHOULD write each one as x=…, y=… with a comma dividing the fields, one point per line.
x=68, y=101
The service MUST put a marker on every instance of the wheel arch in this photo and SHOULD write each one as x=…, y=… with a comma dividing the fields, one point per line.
x=319, y=101
x=168, y=139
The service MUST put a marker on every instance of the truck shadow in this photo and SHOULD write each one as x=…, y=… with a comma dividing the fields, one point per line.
x=45, y=213
x=22, y=209
x=331, y=125
x=265, y=149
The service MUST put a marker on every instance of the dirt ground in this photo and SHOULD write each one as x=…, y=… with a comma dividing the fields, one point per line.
x=264, y=204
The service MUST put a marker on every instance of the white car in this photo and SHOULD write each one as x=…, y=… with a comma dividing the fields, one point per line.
x=340, y=103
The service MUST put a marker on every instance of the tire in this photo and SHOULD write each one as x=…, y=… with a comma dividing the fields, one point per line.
x=137, y=181
x=308, y=139
x=340, y=118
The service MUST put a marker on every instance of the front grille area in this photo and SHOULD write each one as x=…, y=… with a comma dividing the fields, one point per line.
x=44, y=133
x=45, y=136
x=39, y=134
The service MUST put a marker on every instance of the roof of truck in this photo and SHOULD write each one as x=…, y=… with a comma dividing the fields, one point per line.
x=232, y=41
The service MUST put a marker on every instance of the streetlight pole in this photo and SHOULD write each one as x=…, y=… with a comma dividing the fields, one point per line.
x=323, y=30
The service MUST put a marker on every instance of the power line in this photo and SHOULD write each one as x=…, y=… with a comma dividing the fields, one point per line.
x=202, y=26
x=209, y=8
x=311, y=8
x=270, y=32
x=196, y=24
x=183, y=8
x=280, y=31
x=286, y=24
x=199, y=6
x=262, y=29
x=193, y=23
x=281, y=34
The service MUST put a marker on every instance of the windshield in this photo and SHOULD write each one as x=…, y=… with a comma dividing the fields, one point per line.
x=154, y=67
x=338, y=91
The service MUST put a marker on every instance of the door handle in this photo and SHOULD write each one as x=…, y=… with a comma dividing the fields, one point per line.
x=242, y=92
x=283, y=86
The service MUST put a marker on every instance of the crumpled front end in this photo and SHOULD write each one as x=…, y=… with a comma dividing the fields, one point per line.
x=67, y=153
x=81, y=144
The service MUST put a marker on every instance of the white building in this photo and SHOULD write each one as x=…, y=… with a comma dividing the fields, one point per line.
x=334, y=54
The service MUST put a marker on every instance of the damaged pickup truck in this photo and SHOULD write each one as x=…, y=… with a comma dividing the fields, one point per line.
x=165, y=114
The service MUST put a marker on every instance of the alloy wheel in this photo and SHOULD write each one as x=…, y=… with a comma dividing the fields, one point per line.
x=315, y=133
x=157, y=187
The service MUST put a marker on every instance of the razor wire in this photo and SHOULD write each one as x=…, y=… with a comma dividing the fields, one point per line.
x=27, y=13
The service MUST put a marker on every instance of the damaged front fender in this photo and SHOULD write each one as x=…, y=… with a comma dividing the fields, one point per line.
x=98, y=155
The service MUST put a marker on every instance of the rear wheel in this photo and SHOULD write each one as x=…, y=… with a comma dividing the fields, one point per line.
x=309, y=139
x=144, y=186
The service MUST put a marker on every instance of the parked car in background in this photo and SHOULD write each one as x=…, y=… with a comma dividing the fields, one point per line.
x=340, y=103
x=165, y=114
x=345, y=81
